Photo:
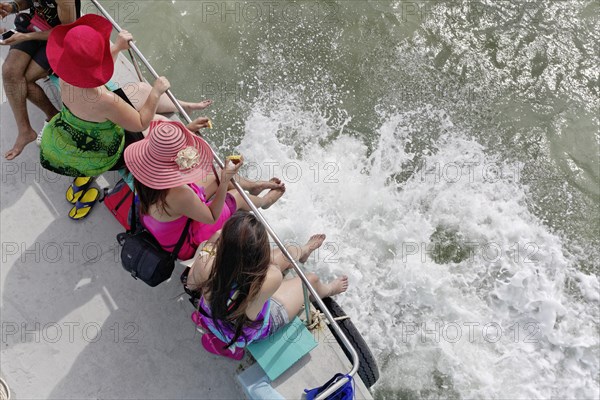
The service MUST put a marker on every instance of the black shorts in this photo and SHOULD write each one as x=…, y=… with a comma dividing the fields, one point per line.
x=36, y=49
x=130, y=137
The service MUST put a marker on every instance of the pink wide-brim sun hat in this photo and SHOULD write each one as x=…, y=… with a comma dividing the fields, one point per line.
x=79, y=53
x=169, y=156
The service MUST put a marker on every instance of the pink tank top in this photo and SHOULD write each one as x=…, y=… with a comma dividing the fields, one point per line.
x=168, y=233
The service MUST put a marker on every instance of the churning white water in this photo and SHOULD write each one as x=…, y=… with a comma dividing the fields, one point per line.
x=457, y=288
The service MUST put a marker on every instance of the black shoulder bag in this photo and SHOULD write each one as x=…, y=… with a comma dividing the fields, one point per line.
x=143, y=257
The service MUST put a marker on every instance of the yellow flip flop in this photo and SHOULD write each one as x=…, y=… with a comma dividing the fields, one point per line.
x=83, y=207
x=77, y=188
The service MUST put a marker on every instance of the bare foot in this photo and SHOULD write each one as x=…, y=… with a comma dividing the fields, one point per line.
x=22, y=141
x=313, y=243
x=188, y=107
x=272, y=197
x=337, y=286
x=259, y=186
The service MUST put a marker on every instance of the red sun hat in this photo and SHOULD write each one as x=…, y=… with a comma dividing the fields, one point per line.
x=79, y=53
x=169, y=156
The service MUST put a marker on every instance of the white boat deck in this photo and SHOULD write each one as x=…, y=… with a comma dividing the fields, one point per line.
x=74, y=324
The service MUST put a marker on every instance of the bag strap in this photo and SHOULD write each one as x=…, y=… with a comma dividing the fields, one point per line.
x=184, y=234
x=133, y=216
x=182, y=238
x=108, y=191
x=104, y=194
x=120, y=203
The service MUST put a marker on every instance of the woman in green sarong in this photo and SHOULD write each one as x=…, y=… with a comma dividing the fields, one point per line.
x=93, y=147
x=90, y=133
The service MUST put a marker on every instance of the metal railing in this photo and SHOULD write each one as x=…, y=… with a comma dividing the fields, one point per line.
x=307, y=285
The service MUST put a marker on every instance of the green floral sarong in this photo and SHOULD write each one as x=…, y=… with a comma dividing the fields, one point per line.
x=74, y=147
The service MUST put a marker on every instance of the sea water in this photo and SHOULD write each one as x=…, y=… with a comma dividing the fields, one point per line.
x=448, y=149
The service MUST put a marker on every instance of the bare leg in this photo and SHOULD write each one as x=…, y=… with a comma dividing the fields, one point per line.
x=210, y=184
x=299, y=253
x=257, y=187
x=188, y=106
x=35, y=93
x=291, y=295
x=138, y=92
x=157, y=117
x=210, y=187
x=263, y=202
x=15, y=87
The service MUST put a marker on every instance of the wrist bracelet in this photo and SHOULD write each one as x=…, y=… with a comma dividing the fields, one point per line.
x=15, y=7
x=210, y=252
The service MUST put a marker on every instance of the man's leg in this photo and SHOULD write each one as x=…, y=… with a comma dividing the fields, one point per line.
x=15, y=87
x=35, y=93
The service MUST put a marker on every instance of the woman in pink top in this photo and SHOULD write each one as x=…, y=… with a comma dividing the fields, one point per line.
x=171, y=167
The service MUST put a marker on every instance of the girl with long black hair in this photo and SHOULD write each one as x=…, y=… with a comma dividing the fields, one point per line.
x=243, y=294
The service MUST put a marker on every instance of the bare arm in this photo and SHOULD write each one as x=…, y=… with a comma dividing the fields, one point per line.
x=185, y=202
x=272, y=282
x=213, y=239
x=128, y=117
x=6, y=7
x=122, y=43
x=211, y=243
x=19, y=37
x=23, y=4
x=203, y=264
x=66, y=10
x=200, y=270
